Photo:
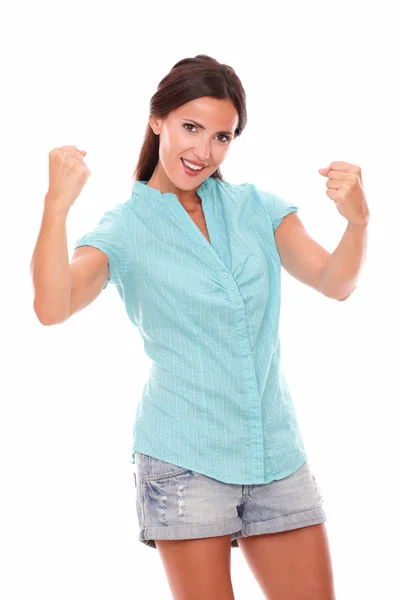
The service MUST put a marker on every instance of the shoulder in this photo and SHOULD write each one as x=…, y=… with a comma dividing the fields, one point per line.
x=247, y=196
x=265, y=204
x=274, y=204
x=229, y=191
x=122, y=214
x=116, y=218
x=245, y=191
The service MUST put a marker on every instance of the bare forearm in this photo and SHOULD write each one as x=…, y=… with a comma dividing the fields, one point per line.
x=340, y=275
x=50, y=269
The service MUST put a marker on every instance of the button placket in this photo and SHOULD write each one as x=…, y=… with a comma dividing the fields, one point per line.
x=236, y=299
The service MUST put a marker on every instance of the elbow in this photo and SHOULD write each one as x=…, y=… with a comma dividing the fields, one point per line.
x=343, y=298
x=333, y=296
x=46, y=318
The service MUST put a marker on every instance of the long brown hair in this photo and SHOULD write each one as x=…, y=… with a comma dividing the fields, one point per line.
x=190, y=78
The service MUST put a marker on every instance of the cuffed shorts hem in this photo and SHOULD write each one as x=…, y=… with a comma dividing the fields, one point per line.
x=177, y=532
x=235, y=527
x=295, y=521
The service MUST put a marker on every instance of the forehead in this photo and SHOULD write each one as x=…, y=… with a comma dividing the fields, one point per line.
x=211, y=112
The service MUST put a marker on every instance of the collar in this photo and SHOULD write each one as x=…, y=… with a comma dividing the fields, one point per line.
x=141, y=187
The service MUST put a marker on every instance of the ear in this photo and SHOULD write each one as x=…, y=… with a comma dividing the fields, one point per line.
x=155, y=124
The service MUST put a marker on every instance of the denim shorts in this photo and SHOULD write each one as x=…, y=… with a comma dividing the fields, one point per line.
x=175, y=503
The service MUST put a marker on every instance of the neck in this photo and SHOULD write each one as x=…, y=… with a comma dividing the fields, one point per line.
x=189, y=199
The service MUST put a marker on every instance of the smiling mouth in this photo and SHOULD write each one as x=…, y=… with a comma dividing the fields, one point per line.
x=192, y=170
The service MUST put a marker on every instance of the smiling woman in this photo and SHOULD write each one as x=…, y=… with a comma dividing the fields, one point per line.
x=197, y=123
x=192, y=149
x=217, y=445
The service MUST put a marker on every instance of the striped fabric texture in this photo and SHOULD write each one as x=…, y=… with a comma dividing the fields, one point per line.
x=216, y=400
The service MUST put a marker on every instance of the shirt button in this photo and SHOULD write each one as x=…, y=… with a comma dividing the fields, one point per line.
x=224, y=274
x=231, y=287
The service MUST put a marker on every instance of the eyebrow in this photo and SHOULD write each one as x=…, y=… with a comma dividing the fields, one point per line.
x=202, y=127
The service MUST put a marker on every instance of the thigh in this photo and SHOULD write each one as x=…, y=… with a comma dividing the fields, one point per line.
x=198, y=569
x=293, y=564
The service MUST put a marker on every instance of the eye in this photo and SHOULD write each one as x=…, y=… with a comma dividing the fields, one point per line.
x=190, y=125
x=221, y=135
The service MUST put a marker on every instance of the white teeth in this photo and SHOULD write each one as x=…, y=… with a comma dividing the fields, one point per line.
x=194, y=167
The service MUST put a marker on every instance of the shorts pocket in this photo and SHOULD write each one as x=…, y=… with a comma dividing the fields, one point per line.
x=155, y=469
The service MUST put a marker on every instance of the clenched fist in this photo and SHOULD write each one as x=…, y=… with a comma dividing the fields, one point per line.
x=68, y=174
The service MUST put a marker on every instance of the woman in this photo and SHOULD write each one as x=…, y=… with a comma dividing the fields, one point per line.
x=219, y=457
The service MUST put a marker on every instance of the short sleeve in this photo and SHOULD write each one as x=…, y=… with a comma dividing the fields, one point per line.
x=111, y=237
x=277, y=207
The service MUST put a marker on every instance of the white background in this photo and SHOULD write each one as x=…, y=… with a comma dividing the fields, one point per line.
x=321, y=80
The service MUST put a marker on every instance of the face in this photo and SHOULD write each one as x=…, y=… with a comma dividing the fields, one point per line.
x=201, y=131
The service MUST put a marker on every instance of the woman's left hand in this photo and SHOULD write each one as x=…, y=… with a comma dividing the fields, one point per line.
x=345, y=188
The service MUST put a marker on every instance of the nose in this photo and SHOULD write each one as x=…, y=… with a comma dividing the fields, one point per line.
x=202, y=151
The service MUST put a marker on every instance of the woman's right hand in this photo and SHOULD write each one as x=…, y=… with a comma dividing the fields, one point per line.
x=68, y=174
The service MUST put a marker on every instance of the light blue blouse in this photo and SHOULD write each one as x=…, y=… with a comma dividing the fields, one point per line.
x=216, y=400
